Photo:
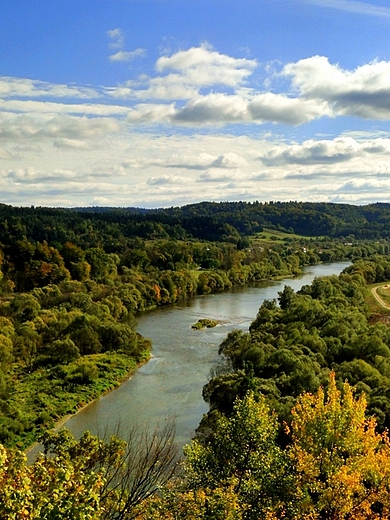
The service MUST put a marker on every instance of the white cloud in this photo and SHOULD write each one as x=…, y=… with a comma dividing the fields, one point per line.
x=363, y=92
x=150, y=113
x=212, y=109
x=46, y=107
x=353, y=6
x=278, y=108
x=5, y=154
x=22, y=127
x=325, y=152
x=364, y=185
x=15, y=87
x=127, y=55
x=145, y=148
x=118, y=38
x=221, y=109
x=118, y=43
x=22, y=175
x=75, y=144
x=203, y=161
x=165, y=179
x=205, y=87
x=229, y=160
x=204, y=66
x=187, y=72
x=215, y=177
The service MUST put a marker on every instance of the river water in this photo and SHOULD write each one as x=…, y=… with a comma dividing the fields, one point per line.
x=170, y=384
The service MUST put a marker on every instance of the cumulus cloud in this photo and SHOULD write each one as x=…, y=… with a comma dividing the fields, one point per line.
x=333, y=151
x=46, y=107
x=221, y=109
x=200, y=86
x=101, y=201
x=363, y=92
x=113, y=146
x=22, y=175
x=36, y=176
x=118, y=42
x=203, y=161
x=229, y=160
x=184, y=73
x=146, y=113
x=205, y=66
x=212, y=109
x=279, y=108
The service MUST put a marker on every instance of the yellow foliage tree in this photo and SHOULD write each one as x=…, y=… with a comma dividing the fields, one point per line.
x=342, y=464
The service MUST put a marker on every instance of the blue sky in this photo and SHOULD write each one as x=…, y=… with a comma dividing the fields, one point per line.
x=156, y=103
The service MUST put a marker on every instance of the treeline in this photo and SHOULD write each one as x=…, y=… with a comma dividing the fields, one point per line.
x=305, y=218
x=26, y=264
x=294, y=342
x=112, y=228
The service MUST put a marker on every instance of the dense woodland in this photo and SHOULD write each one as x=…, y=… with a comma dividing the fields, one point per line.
x=111, y=228
x=71, y=285
x=294, y=342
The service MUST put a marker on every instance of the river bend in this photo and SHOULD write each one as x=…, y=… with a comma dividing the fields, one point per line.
x=170, y=384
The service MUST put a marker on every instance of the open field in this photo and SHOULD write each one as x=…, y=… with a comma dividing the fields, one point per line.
x=274, y=235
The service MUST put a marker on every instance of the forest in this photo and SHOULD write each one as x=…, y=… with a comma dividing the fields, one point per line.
x=314, y=365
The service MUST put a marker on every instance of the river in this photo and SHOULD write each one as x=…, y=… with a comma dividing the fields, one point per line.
x=170, y=384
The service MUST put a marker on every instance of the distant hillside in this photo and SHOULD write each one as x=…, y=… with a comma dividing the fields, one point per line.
x=223, y=221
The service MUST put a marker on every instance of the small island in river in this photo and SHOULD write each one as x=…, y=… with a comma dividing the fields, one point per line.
x=203, y=323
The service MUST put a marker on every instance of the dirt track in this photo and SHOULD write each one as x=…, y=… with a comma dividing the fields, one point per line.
x=374, y=291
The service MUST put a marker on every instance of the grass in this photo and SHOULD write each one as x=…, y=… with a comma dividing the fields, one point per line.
x=41, y=398
x=270, y=236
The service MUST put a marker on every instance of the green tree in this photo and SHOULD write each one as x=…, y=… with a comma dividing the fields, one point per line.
x=63, y=351
x=243, y=458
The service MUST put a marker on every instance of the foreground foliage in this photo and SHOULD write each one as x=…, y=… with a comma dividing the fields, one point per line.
x=335, y=466
x=89, y=479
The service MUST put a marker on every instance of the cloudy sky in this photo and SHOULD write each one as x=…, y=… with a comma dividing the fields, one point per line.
x=155, y=103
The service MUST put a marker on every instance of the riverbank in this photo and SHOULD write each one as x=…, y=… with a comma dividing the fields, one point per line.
x=34, y=448
x=53, y=402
